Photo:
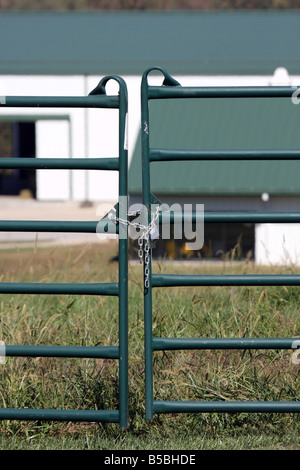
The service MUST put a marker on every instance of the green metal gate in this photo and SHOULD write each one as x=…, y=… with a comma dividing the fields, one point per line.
x=172, y=89
x=96, y=99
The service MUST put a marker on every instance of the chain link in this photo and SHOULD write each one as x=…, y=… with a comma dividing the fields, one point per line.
x=143, y=240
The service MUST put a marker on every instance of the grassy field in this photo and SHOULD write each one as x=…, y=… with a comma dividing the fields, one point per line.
x=180, y=375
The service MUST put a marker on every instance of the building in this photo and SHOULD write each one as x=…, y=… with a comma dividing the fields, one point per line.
x=67, y=53
x=233, y=124
x=228, y=185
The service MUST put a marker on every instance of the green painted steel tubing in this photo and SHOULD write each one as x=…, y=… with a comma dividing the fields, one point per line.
x=254, y=217
x=167, y=92
x=231, y=217
x=226, y=407
x=59, y=288
x=58, y=226
x=104, y=226
x=123, y=244
x=60, y=163
x=96, y=352
x=95, y=101
x=172, y=89
x=111, y=416
x=123, y=256
x=172, y=280
x=147, y=291
x=174, y=154
x=163, y=344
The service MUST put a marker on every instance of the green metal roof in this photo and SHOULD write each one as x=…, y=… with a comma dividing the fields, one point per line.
x=221, y=124
x=128, y=42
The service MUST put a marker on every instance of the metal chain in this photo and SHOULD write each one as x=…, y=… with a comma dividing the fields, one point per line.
x=143, y=240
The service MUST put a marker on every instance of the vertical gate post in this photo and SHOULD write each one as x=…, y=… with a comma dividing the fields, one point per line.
x=145, y=139
x=147, y=291
x=123, y=253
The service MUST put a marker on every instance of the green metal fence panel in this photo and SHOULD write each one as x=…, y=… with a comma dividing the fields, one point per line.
x=172, y=89
x=96, y=99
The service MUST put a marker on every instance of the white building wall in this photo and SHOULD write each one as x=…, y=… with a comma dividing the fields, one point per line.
x=277, y=244
x=54, y=185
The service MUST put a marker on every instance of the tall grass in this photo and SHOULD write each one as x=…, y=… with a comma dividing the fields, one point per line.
x=178, y=375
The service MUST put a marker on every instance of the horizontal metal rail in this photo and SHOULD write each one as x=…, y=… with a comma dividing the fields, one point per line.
x=230, y=217
x=90, y=101
x=60, y=163
x=164, y=344
x=103, y=226
x=226, y=406
x=107, y=226
x=167, y=92
x=111, y=416
x=160, y=155
x=96, y=352
x=107, y=288
x=172, y=280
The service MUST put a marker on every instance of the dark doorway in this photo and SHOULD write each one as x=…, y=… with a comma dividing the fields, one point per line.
x=221, y=241
x=17, y=140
